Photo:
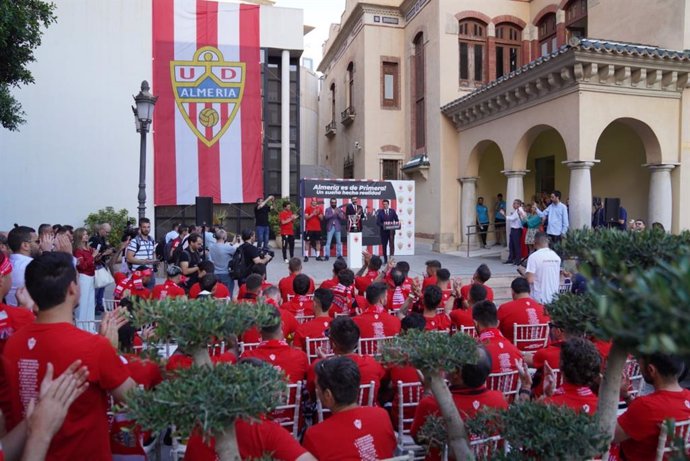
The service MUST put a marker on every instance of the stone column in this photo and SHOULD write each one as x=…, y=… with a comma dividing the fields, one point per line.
x=580, y=194
x=514, y=190
x=660, y=195
x=468, y=210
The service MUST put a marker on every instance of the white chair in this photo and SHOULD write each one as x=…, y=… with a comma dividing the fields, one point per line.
x=287, y=414
x=468, y=331
x=409, y=395
x=530, y=337
x=666, y=445
x=486, y=448
x=216, y=348
x=303, y=318
x=371, y=346
x=508, y=383
x=309, y=296
x=565, y=287
x=92, y=326
x=242, y=346
x=110, y=304
x=365, y=399
x=408, y=457
x=632, y=371
x=314, y=344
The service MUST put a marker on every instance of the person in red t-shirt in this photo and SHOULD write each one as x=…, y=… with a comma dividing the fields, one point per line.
x=397, y=294
x=343, y=294
x=134, y=285
x=375, y=322
x=470, y=395
x=480, y=277
x=316, y=327
x=431, y=267
x=274, y=350
x=372, y=265
x=171, y=287
x=504, y=355
x=313, y=215
x=638, y=428
x=287, y=229
x=285, y=284
x=271, y=295
x=462, y=316
x=351, y=432
x=522, y=310
x=300, y=305
x=11, y=318
x=53, y=339
x=431, y=301
x=344, y=339
x=208, y=286
x=338, y=265
x=260, y=270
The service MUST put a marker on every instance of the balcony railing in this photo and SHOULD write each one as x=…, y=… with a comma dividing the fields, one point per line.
x=347, y=116
x=331, y=129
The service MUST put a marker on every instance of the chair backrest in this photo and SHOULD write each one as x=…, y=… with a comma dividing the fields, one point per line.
x=313, y=344
x=486, y=448
x=558, y=377
x=342, y=314
x=303, y=318
x=110, y=304
x=508, y=383
x=468, y=330
x=632, y=371
x=666, y=444
x=371, y=346
x=408, y=457
x=242, y=346
x=217, y=348
x=309, y=296
x=88, y=325
x=565, y=288
x=529, y=337
x=287, y=413
x=409, y=395
x=365, y=399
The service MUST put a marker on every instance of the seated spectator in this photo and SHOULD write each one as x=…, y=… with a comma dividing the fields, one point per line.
x=206, y=268
x=404, y=268
x=580, y=367
x=316, y=327
x=522, y=310
x=343, y=294
x=300, y=304
x=338, y=265
x=51, y=280
x=286, y=283
x=171, y=287
x=432, y=266
x=462, y=317
x=637, y=430
x=470, y=395
x=368, y=273
x=444, y=283
x=344, y=338
x=406, y=374
x=274, y=350
x=431, y=301
x=396, y=293
x=181, y=359
x=210, y=287
x=134, y=286
x=12, y=318
x=260, y=270
x=351, y=432
x=480, y=277
x=504, y=355
x=252, y=288
x=271, y=295
x=376, y=322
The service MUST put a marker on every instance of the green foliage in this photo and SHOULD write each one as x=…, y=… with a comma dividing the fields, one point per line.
x=273, y=220
x=433, y=433
x=20, y=34
x=193, y=322
x=538, y=431
x=576, y=314
x=431, y=352
x=117, y=219
x=209, y=398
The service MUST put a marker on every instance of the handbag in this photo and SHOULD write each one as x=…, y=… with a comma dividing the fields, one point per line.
x=103, y=277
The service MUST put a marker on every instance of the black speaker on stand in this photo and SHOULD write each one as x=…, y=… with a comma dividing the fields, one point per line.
x=612, y=211
x=204, y=217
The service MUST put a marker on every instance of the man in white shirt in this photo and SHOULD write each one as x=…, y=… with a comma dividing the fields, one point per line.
x=173, y=234
x=24, y=243
x=557, y=213
x=514, y=220
x=543, y=270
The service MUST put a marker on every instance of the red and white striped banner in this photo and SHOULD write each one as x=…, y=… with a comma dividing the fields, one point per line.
x=207, y=122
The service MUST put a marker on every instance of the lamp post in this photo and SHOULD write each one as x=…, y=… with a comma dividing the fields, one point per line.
x=143, y=114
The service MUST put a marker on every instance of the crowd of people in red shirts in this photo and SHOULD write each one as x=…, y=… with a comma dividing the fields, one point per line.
x=59, y=382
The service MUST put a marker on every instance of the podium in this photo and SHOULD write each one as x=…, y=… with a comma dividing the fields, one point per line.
x=354, y=250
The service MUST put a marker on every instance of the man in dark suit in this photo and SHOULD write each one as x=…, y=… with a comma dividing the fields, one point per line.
x=385, y=217
x=354, y=209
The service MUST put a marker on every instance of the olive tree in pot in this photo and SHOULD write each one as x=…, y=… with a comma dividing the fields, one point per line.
x=206, y=398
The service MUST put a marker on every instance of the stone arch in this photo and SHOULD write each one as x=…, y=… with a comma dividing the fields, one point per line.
x=521, y=152
x=544, y=11
x=509, y=19
x=470, y=14
x=475, y=157
x=650, y=141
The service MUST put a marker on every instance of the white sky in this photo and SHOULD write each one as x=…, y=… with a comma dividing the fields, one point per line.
x=319, y=14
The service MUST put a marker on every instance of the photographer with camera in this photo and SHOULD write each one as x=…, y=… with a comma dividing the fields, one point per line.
x=246, y=256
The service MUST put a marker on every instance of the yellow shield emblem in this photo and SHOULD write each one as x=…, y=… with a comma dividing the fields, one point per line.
x=208, y=91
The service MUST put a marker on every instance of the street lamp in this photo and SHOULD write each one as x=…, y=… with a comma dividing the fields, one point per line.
x=143, y=114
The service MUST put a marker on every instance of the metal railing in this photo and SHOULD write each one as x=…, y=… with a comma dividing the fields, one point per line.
x=475, y=228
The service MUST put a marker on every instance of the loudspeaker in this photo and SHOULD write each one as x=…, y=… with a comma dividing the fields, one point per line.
x=204, y=211
x=612, y=210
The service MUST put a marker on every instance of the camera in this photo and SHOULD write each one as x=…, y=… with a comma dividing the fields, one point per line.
x=271, y=253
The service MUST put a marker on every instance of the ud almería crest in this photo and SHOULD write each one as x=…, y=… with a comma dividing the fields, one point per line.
x=208, y=91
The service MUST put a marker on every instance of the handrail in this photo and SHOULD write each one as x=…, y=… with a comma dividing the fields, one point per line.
x=491, y=227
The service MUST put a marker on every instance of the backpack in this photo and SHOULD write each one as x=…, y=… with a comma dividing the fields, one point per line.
x=238, y=267
x=160, y=249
